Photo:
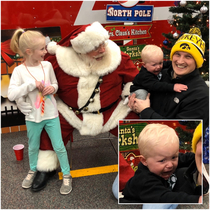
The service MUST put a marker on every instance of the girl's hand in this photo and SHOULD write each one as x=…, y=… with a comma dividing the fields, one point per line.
x=48, y=90
x=40, y=86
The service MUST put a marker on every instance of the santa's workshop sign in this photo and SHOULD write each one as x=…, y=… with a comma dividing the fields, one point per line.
x=138, y=13
x=123, y=32
x=128, y=136
x=134, y=51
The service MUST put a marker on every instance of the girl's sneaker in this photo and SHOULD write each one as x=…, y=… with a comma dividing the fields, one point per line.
x=27, y=182
x=66, y=187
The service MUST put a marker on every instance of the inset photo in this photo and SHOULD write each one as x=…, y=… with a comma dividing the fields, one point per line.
x=160, y=162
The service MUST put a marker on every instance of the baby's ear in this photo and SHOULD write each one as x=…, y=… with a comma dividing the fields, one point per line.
x=143, y=64
x=143, y=160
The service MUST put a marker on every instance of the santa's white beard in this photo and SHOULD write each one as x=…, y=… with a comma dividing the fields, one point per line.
x=94, y=64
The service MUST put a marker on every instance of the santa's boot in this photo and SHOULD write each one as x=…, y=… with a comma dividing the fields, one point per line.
x=46, y=168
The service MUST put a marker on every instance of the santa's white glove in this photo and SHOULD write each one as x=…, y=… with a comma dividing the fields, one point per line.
x=125, y=102
x=24, y=106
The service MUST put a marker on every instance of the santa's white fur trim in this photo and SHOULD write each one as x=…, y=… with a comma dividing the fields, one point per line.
x=88, y=40
x=85, y=87
x=71, y=63
x=92, y=123
x=69, y=115
x=119, y=113
x=52, y=47
x=47, y=161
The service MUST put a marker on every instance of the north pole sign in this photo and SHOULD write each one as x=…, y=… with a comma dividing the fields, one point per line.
x=138, y=13
x=123, y=32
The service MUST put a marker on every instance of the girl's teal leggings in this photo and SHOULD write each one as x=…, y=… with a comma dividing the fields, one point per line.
x=53, y=129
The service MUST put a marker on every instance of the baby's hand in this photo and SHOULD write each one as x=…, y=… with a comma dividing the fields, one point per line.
x=48, y=90
x=40, y=86
x=180, y=87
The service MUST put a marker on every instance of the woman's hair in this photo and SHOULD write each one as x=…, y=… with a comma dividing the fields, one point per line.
x=150, y=50
x=153, y=134
x=22, y=40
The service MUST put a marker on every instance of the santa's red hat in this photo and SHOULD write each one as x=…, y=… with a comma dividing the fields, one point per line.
x=83, y=39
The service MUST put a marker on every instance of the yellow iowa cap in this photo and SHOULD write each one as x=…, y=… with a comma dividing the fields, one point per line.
x=191, y=43
x=196, y=136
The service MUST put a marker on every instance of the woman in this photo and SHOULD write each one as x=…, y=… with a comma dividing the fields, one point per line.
x=187, y=56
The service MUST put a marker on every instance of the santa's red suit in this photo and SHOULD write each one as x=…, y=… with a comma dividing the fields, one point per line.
x=97, y=92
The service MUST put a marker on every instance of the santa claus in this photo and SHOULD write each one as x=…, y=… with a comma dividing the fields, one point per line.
x=94, y=78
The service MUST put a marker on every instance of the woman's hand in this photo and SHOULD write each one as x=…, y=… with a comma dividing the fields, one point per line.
x=138, y=105
x=131, y=101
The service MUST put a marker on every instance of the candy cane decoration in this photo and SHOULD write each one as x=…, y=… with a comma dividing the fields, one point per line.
x=42, y=108
x=43, y=102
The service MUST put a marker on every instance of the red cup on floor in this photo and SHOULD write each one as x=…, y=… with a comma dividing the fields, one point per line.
x=18, y=149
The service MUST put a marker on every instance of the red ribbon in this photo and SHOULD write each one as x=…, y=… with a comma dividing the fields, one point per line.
x=5, y=51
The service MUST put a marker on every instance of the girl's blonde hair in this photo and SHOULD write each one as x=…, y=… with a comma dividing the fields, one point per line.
x=23, y=40
x=150, y=50
x=152, y=135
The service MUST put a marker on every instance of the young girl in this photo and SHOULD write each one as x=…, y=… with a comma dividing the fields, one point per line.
x=35, y=80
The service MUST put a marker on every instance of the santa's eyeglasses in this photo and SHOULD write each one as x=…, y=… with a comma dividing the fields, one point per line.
x=100, y=47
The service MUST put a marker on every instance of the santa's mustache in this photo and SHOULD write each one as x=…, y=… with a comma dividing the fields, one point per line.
x=99, y=56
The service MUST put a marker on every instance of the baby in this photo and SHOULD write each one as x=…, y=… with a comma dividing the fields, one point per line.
x=148, y=78
x=159, y=177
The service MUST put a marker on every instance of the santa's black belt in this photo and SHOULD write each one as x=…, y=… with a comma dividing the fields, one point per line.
x=94, y=112
x=91, y=100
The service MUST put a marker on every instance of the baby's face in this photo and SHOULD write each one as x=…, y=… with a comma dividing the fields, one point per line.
x=164, y=160
x=154, y=65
